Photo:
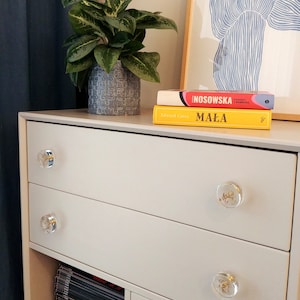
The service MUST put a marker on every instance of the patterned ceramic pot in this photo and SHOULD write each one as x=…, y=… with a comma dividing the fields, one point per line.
x=116, y=93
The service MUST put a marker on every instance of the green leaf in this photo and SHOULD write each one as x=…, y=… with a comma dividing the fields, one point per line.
x=143, y=65
x=94, y=12
x=117, y=6
x=147, y=20
x=66, y=3
x=73, y=77
x=82, y=22
x=80, y=65
x=79, y=79
x=139, y=35
x=159, y=23
x=94, y=4
x=132, y=47
x=141, y=15
x=119, y=40
x=126, y=23
x=106, y=57
x=70, y=40
x=81, y=47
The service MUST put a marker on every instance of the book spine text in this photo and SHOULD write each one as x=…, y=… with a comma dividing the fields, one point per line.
x=212, y=117
x=217, y=99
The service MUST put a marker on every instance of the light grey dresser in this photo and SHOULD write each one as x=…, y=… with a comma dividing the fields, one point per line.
x=166, y=212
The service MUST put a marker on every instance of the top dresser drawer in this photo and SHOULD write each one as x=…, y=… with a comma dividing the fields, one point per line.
x=145, y=173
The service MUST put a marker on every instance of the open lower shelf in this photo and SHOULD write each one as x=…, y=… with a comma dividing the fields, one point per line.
x=44, y=270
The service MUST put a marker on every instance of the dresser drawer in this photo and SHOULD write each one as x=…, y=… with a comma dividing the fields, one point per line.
x=171, y=259
x=171, y=178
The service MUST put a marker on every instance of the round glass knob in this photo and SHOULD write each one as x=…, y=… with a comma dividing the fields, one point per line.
x=229, y=195
x=225, y=285
x=46, y=158
x=49, y=223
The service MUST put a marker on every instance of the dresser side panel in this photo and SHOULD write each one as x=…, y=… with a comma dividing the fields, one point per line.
x=24, y=205
x=38, y=269
x=294, y=270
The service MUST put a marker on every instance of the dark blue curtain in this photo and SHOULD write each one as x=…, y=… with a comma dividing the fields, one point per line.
x=31, y=78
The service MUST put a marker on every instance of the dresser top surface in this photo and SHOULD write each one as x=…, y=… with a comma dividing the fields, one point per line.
x=284, y=135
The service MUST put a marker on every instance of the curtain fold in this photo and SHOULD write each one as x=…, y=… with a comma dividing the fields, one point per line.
x=32, y=77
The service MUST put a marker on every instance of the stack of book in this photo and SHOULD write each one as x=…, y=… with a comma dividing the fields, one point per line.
x=225, y=109
x=71, y=283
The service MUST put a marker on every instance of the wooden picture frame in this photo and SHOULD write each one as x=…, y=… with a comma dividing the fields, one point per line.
x=230, y=46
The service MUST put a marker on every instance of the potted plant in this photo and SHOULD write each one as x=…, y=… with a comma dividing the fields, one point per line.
x=108, y=36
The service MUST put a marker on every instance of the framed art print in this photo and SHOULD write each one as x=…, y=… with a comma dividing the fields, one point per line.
x=245, y=45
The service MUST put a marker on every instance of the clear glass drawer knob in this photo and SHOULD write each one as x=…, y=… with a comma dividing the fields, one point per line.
x=225, y=285
x=229, y=195
x=46, y=158
x=49, y=223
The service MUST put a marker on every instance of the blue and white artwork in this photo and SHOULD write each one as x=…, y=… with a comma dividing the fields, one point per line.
x=246, y=45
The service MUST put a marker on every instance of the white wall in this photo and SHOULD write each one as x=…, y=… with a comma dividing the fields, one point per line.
x=167, y=43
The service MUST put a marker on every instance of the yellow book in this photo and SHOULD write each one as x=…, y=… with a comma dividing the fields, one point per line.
x=212, y=117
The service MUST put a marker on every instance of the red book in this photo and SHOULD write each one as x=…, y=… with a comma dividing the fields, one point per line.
x=216, y=99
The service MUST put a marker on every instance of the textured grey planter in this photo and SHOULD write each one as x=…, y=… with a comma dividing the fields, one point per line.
x=116, y=93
